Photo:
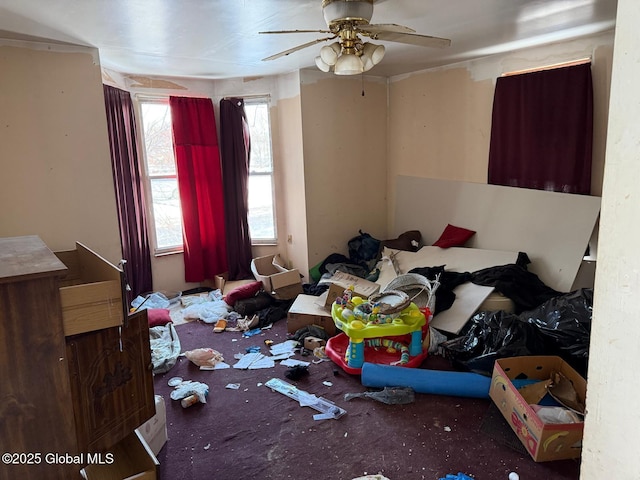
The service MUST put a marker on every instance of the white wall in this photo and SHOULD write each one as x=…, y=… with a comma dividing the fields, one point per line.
x=54, y=151
x=345, y=159
x=610, y=448
x=440, y=119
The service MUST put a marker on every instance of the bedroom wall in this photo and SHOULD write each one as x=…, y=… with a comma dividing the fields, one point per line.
x=345, y=159
x=610, y=445
x=56, y=167
x=440, y=119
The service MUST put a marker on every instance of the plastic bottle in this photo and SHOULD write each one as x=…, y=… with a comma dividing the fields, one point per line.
x=186, y=402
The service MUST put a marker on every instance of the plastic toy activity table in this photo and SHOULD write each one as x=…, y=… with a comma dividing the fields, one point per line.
x=372, y=333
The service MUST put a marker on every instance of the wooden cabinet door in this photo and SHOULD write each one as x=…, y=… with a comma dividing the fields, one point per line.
x=111, y=382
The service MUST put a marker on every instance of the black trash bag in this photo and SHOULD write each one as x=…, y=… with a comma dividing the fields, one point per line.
x=560, y=326
x=489, y=336
x=364, y=250
x=565, y=325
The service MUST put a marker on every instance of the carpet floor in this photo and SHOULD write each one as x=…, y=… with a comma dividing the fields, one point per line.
x=253, y=432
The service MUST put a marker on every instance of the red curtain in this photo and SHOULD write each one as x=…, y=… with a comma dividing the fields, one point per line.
x=200, y=184
x=132, y=213
x=542, y=130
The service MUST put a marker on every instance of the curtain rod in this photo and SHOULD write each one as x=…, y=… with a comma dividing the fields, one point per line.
x=266, y=95
x=571, y=63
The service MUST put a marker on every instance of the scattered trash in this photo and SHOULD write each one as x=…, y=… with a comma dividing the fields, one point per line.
x=251, y=333
x=204, y=357
x=292, y=362
x=447, y=429
x=253, y=349
x=327, y=384
x=297, y=372
x=174, y=381
x=186, y=402
x=320, y=354
x=372, y=477
x=514, y=476
x=188, y=388
x=220, y=326
x=207, y=446
x=254, y=361
x=323, y=416
x=154, y=300
x=232, y=386
x=217, y=366
x=306, y=399
x=268, y=343
x=288, y=346
x=388, y=395
x=459, y=476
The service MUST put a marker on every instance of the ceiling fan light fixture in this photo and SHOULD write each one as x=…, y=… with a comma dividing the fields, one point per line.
x=329, y=53
x=374, y=52
x=322, y=65
x=367, y=64
x=348, y=64
x=347, y=10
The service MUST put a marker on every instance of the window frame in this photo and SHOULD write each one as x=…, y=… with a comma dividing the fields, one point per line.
x=265, y=100
x=147, y=178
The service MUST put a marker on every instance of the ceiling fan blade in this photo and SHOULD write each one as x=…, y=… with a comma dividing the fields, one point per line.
x=299, y=47
x=413, y=39
x=298, y=31
x=385, y=27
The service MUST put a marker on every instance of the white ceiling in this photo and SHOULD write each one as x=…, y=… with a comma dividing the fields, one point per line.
x=220, y=39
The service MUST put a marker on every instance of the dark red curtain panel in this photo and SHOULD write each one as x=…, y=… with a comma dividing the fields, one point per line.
x=542, y=130
x=130, y=199
x=236, y=148
x=200, y=184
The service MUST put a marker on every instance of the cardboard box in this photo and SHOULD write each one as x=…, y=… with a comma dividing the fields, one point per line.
x=311, y=343
x=129, y=459
x=154, y=430
x=543, y=441
x=277, y=280
x=305, y=311
x=341, y=281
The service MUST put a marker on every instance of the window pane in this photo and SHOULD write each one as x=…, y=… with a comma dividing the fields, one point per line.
x=258, y=120
x=260, y=218
x=156, y=122
x=166, y=212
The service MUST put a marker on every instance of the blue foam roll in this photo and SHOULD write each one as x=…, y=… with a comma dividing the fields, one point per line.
x=436, y=382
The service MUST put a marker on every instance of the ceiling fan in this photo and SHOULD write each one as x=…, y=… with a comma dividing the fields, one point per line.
x=348, y=21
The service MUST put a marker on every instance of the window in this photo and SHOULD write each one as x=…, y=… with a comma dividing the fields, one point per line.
x=161, y=176
x=261, y=211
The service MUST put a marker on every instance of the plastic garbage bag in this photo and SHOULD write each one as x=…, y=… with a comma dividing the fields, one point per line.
x=564, y=322
x=204, y=357
x=560, y=326
x=489, y=336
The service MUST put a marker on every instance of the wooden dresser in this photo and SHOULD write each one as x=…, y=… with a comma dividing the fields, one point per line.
x=66, y=397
